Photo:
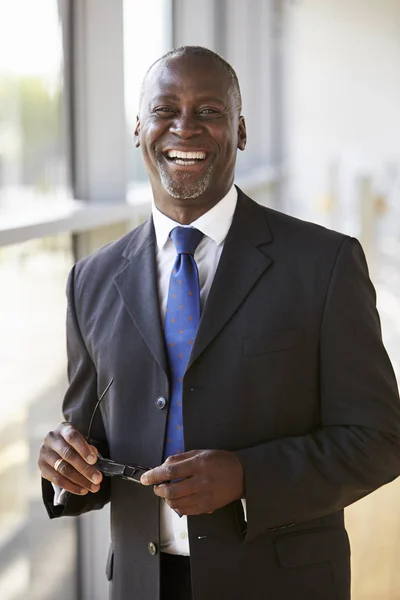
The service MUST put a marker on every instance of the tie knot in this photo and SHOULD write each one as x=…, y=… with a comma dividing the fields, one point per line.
x=186, y=239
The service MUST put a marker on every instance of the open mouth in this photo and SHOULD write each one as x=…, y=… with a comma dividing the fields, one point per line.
x=185, y=159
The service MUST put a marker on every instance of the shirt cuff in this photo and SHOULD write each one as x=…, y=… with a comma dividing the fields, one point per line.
x=60, y=495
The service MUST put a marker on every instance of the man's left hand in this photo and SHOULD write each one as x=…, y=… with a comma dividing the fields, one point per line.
x=200, y=481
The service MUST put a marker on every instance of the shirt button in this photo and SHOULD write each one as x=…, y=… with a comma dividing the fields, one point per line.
x=161, y=402
x=184, y=535
x=152, y=548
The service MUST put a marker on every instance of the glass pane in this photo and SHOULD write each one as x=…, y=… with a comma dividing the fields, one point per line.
x=33, y=163
x=142, y=46
x=32, y=380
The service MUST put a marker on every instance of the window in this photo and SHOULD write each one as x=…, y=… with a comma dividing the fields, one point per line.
x=32, y=380
x=142, y=46
x=33, y=174
x=33, y=154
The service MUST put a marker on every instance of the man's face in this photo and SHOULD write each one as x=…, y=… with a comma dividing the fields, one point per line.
x=189, y=129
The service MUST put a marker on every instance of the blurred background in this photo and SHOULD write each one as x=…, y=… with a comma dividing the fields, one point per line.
x=321, y=90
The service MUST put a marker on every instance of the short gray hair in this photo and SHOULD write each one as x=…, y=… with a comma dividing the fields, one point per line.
x=200, y=51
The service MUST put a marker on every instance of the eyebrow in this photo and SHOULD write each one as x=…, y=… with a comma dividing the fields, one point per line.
x=175, y=97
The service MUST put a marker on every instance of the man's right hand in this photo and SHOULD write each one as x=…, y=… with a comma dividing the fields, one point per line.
x=75, y=473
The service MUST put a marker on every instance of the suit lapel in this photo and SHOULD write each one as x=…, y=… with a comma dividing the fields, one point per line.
x=241, y=265
x=137, y=286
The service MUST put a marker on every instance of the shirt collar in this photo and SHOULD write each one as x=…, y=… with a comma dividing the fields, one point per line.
x=215, y=223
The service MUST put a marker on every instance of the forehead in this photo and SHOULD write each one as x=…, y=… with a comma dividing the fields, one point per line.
x=188, y=77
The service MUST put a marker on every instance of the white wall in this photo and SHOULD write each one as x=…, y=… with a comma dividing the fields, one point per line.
x=343, y=84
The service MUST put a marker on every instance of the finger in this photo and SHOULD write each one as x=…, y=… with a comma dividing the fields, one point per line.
x=68, y=472
x=194, y=510
x=191, y=505
x=75, y=439
x=54, y=477
x=70, y=456
x=175, y=467
x=179, y=489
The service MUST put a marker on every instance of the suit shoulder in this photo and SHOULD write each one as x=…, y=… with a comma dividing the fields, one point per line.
x=305, y=237
x=105, y=262
x=305, y=230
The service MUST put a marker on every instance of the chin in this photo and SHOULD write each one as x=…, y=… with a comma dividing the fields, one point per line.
x=184, y=186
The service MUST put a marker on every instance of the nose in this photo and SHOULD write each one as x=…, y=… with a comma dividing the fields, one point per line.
x=185, y=126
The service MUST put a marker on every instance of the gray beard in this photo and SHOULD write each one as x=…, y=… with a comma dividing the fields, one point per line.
x=180, y=185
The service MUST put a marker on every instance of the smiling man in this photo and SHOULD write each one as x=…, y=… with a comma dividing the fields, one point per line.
x=237, y=354
x=189, y=128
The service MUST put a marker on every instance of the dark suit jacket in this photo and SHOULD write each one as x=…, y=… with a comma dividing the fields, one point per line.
x=288, y=370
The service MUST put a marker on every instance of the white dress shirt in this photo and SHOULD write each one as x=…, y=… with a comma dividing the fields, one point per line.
x=215, y=225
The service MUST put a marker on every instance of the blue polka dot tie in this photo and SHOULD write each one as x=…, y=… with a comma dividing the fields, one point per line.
x=181, y=323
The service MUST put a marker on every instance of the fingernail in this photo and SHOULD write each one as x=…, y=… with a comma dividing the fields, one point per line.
x=96, y=478
x=144, y=479
x=83, y=492
x=94, y=488
x=91, y=458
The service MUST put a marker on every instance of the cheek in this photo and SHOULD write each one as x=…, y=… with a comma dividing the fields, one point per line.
x=152, y=131
x=225, y=140
x=229, y=150
x=148, y=139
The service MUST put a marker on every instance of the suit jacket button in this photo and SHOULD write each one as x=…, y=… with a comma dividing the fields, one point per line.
x=161, y=402
x=152, y=548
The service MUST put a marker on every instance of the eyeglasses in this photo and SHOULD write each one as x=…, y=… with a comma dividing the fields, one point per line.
x=108, y=467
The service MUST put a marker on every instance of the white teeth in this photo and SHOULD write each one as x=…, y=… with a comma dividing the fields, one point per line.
x=186, y=155
x=179, y=161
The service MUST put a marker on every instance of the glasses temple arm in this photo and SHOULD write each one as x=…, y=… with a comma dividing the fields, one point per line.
x=97, y=406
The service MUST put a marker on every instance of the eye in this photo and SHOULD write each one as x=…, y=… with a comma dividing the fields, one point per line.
x=163, y=111
x=209, y=111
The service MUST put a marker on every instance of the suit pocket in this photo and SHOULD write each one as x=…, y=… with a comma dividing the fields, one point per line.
x=273, y=341
x=110, y=563
x=314, y=547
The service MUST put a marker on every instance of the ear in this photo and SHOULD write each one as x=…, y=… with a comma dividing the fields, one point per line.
x=136, y=135
x=242, y=134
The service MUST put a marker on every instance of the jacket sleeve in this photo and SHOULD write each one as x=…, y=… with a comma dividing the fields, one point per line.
x=357, y=447
x=79, y=402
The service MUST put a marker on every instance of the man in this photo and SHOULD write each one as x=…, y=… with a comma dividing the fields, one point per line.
x=262, y=419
